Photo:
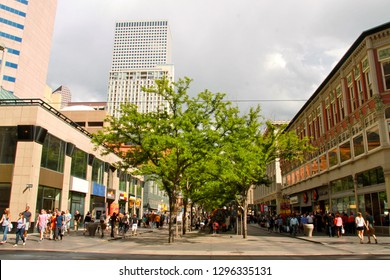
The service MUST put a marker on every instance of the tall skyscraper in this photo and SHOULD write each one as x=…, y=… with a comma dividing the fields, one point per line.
x=65, y=94
x=26, y=29
x=142, y=54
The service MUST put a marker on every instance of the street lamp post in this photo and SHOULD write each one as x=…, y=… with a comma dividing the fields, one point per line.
x=2, y=66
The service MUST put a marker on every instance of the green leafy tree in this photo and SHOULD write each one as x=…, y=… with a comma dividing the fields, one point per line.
x=245, y=151
x=165, y=143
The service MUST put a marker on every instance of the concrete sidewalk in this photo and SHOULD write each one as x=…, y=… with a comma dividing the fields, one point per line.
x=155, y=242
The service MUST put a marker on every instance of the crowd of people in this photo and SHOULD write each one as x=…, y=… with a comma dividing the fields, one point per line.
x=54, y=225
x=331, y=224
x=50, y=225
x=121, y=223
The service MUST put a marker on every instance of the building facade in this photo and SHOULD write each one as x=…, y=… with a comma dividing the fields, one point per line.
x=89, y=115
x=63, y=96
x=347, y=120
x=268, y=199
x=141, y=54
x=26, y=30
x=47, y=161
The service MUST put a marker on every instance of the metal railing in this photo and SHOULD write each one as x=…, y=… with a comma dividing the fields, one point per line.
x=47, y=107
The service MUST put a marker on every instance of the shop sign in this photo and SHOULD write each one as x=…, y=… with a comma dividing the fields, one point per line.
x=315, y=195
x=111, y=194
x=131, y=201
x=114, y=207
x=138, y=202
x=98, y=190
x=305, y=197
x=79, y=185
x=123, y=196
x=294, y=200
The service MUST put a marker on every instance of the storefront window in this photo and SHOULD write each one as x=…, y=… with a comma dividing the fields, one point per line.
x=79, y=164
x=98, y=171
x=53, y=153
x=323, y=163
x=333, y=160
x=76, y=202
x=370, y=177
x=358, y=145
x=314, y=167
x=8, y=144
x=361, y=205
x=133, y=183
x=341, y=185
x=384, y=209
x=373, y=140
x=48, y=198
x=345, y=151
x=122, y=181
x=5, y=194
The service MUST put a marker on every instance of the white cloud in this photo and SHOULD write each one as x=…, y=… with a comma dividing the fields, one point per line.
x=275, y=61
x=251, y=50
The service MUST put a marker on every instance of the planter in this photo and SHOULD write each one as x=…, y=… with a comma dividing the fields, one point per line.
x=308, y=229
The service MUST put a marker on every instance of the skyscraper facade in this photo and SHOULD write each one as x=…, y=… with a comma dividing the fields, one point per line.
x=65, y=94
x=26, y=29
x=141, y=54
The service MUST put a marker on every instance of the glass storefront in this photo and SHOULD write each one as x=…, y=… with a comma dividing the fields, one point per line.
x=48, y=199
x=53, y=154
x=79, y=164
x=5, y=194
x=8, y=144
x=76, y=202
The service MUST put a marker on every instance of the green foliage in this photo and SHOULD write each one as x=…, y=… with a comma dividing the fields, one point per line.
x=201, y=146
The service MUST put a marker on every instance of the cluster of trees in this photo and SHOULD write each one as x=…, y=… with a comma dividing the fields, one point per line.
x=203, y=149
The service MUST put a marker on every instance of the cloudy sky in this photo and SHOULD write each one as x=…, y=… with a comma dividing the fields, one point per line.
x=254, y=51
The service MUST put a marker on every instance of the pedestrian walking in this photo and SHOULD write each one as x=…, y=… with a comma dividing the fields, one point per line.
x=338, y=223
x=27, y=215
x=103, y=225
x=134, y=224
x=87, y=221
x=370, y=228
x=68, y=218
x=360, y=225
x=60, y=223
x=20, y=229
x=41, y=223
x=329, y=221
x=294, y=225
x=113, y=219
x=215, y=227
x=76, y=220
x=351, y=223
x=53, y=225
x=5, y=224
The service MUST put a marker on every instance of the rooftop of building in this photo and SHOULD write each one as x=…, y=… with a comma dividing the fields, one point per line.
x=339, y=65
x=5, y=94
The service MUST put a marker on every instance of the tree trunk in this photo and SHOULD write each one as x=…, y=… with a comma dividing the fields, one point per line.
x=244, y=214
x=172, y=203
x=184, y=218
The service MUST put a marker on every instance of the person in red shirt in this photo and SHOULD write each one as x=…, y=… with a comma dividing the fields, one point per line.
x=215, y=227
x=351, y=223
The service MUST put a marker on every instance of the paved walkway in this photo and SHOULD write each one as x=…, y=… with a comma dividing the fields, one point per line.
x=155, y=242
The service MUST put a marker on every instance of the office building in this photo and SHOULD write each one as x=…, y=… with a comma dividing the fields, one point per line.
x=348, y=121
x=141, y=54
x=62, y=96
x=26, y=29
x=48, y=161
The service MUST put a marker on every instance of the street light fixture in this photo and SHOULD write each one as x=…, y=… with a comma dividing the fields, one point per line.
x=2, y=65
